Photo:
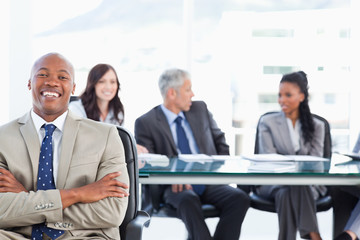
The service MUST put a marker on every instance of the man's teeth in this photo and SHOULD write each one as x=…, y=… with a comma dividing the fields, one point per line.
x=51, y=94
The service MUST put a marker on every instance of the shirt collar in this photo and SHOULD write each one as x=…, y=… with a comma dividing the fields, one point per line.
x=170, y=116
x=39, y=121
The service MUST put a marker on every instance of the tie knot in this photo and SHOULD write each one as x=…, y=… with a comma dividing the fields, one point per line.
x=49, y=129
x=178, y=120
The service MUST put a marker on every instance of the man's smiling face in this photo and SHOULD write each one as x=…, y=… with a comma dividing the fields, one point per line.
x=51, y=83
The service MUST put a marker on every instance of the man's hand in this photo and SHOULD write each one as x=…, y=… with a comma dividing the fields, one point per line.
x=8, y=183
x=180, y=187
x=108, y=186
x=141, y=149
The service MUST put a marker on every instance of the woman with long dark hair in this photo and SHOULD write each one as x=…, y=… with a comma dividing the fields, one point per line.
x=100, y=100
x=293, y=131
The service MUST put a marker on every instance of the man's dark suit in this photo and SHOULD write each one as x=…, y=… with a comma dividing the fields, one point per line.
x=152, y=131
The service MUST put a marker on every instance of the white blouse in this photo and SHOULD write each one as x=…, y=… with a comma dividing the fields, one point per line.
x=78, y=108
x=294, y=133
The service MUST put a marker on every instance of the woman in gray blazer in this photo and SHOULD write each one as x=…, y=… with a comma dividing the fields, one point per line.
x=289, y=132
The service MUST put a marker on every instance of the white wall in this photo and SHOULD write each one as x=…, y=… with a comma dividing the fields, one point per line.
x=20, y=57
x=4, y=61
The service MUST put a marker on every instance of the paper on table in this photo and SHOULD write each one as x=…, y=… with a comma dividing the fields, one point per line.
x=272, y=167
x=307, y=158
x=154, y=159
x=274, y=157
x=226, y=157
x=352, y=155
x=202, y=158
x=268, y=157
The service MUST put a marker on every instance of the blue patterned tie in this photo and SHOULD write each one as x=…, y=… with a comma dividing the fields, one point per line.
x=183, y=145
x=46, y=181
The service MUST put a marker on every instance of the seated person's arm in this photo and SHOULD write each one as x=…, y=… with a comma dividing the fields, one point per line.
x=266, y=144
x=73, y=205
x=142, y=136
x=222, y=147
x=109, y=211
x=108, y=186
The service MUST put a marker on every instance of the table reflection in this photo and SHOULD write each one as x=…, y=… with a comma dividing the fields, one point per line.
x=238, y=164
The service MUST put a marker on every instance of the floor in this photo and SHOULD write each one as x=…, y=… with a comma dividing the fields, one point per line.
x=174, y=229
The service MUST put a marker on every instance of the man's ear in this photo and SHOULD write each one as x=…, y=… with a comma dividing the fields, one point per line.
x=29, y=84
x=73, y=90
x=171, y=93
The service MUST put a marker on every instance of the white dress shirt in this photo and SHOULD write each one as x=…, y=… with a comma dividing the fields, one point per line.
x=57, y=136
x=170, y=116
x=294, y=133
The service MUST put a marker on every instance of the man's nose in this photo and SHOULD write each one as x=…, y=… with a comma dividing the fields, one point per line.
x=52, y=80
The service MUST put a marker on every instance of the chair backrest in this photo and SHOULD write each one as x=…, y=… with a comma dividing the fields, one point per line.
x=132, y=167
x=322, y=204
x=327, y=139
x=256, y=148
x=73, y=98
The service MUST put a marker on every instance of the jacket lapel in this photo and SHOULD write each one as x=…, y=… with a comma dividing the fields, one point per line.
x=30, y=136
x=196, y=130
x=165, y=128
x=285, y=134
x=71, y=129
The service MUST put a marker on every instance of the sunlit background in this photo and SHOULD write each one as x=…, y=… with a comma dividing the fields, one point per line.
x=235, y=50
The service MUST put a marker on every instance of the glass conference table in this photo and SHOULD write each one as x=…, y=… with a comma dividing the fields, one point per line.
x=253, y=170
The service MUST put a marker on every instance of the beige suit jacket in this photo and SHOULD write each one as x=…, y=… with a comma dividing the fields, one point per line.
x=89, y=151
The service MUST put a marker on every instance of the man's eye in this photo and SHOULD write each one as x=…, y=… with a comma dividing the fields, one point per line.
x=41, y=75
x=63, y=78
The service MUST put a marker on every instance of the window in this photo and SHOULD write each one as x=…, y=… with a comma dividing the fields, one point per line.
x=283, y=33
x=279, y=69
x=236, y=52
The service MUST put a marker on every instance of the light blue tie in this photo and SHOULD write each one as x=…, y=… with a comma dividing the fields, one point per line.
x=183, y=145
x=46, y=181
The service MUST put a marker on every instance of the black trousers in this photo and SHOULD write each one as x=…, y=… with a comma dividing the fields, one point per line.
x=344, y=199
x=232, y=203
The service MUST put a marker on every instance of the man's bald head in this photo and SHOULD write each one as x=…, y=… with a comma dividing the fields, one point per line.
x=51, y=83
x=58, y=55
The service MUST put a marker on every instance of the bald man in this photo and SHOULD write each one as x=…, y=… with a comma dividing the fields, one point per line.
x=87, y=193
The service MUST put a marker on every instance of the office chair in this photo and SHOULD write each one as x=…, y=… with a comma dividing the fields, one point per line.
x=135, y=219
x=323, y=203
x=73, y=98
x=158, y=208
x=152, y=202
